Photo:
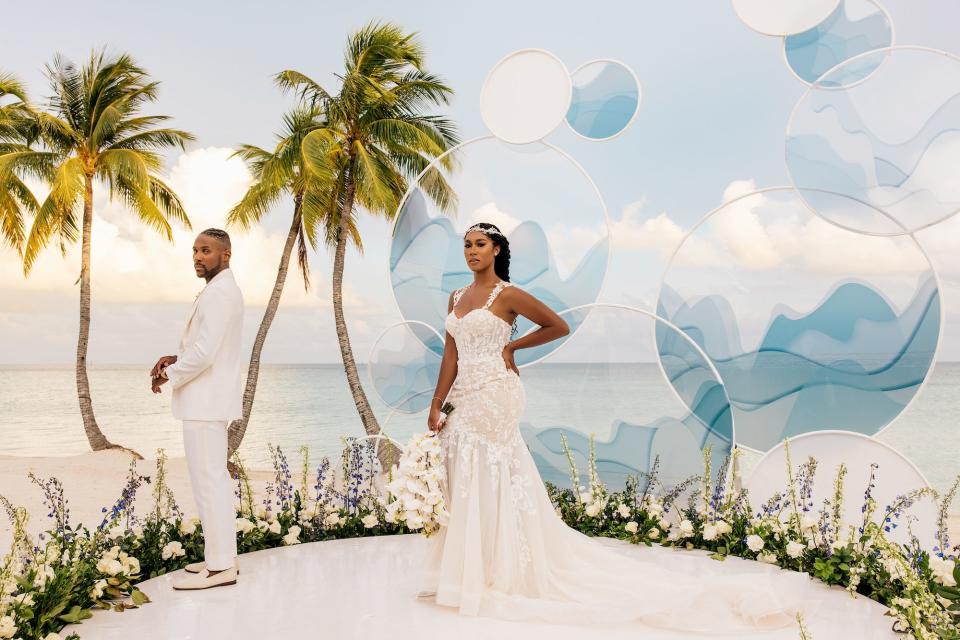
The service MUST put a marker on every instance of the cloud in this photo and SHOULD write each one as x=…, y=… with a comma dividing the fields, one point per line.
x=134, y=264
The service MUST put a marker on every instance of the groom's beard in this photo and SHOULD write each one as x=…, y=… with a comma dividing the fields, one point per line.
x=204, y=272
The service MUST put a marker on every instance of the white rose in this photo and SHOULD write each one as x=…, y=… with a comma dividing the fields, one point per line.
x=710, y=532
x=332, y=520
x=654, y=508
x=370, y=520
x=664, y=524
x=769, y=558
x=244, y=526
x=187, y=527
x=293, y=535
x=138, y=531
x=654, y=533
x=112, y=567
x=624, y=511
x=262, y=525
x=117, y=531
x=275, y=527
x=943, y=571
x=133, y=566
x=686, y=528
x=7, y=627
x=795, y=549
x=754, y=543
x=98, y=588
x=631, y=526
x=723, y=528
x=593, y=509
x=172, y=550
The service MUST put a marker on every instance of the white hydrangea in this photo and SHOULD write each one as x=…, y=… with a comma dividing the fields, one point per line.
x=723, y=527
x=754, y=543
x=710, y=532
x=623, y=510
x=686, y=528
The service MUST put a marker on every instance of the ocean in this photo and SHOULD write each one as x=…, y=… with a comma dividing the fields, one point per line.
x=310, y=405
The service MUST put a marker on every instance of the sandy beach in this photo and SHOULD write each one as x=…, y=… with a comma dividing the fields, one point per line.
x=92, y=481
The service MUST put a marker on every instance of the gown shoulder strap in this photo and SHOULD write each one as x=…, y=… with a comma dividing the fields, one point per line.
x=503, y=284
x=459, y=294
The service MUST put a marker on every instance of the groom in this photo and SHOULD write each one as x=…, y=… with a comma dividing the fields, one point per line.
x=205, y=377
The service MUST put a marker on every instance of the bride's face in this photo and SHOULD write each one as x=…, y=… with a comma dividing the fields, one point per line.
x=479, y=251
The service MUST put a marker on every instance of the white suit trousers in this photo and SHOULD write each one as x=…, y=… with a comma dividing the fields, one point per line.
x=205, y=444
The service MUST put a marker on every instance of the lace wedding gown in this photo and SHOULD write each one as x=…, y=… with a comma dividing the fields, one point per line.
x=506, y=553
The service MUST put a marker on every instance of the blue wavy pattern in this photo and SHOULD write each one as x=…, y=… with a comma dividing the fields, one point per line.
x=836, y=159
x=426, y=265
x=852, y=363
x=630, y=451
x=604, y=106
x=838, y=38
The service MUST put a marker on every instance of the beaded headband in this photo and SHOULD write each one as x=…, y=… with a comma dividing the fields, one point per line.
x=484, y=230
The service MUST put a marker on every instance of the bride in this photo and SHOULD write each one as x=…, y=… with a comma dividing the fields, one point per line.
x=505, y=552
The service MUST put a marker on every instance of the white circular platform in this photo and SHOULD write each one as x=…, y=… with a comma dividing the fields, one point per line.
x=364, y=588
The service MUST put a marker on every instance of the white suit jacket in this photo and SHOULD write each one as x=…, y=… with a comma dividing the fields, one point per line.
x=206, y=378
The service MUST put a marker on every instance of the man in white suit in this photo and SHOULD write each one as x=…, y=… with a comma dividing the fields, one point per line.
x=207, y=392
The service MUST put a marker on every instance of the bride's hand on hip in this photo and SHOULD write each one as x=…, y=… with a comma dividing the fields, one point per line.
x=508, y=360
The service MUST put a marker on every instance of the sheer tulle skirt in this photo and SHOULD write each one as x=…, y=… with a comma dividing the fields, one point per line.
x=507, y=554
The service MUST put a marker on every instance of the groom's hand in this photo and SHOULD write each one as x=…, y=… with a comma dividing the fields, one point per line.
x=162, y=363
x=156, y=383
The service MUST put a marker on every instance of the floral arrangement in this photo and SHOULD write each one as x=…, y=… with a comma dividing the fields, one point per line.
x=69, y=571
x=919, y=588
x=415, y=487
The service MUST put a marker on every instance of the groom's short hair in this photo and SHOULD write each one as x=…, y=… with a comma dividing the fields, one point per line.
x=219, y=234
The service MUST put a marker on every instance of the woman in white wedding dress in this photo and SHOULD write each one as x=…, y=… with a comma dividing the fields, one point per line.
x=505, y=552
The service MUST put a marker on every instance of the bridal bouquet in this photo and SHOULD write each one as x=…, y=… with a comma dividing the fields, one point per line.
x=415, y=494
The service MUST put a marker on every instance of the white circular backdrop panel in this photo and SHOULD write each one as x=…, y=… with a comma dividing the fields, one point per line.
x=525, y=96
x=895, y=475
x=783, y=17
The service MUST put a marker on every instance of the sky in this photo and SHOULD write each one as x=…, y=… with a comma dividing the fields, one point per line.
x=716, y=99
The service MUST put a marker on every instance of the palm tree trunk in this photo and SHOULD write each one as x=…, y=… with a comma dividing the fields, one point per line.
x=239, y=427
x=98, y=441
x=370, y=425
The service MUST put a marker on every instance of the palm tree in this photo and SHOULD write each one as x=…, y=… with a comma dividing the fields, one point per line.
x=94, y=133
x=16, y=134
x=376, y=137
x=278, y=173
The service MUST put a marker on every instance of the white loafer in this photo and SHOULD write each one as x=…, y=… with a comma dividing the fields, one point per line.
x=197, y=567
x=204, y=580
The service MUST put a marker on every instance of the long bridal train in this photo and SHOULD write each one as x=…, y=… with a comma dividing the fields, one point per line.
x=506, y=553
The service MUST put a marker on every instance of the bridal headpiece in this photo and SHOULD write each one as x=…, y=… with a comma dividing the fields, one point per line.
x=489, y=232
